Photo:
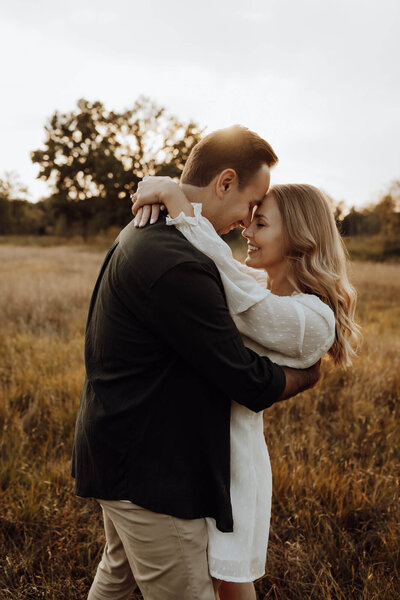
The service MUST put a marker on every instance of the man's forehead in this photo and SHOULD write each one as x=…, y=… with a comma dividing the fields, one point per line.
x=259, y=196
x=260, y=182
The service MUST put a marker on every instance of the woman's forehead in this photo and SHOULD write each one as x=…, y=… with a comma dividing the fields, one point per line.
x=268, y=207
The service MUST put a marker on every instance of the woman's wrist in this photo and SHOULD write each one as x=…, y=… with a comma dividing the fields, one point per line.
x=176, y=202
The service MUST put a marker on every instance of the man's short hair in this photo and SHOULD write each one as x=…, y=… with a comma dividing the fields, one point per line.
x=235, y=148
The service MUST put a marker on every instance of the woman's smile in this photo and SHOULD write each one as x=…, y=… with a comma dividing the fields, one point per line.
x=265, y=245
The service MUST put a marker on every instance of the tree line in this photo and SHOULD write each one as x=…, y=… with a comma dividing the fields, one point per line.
x=93, y=159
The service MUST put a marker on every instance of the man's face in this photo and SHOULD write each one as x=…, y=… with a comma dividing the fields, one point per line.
x=237, y=205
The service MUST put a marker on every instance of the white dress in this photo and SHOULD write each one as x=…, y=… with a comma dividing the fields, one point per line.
x=291, y=330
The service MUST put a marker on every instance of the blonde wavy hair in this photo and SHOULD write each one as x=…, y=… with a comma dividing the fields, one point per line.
x=317, y=261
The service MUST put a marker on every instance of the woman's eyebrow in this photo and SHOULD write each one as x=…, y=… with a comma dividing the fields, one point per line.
x=260, y=216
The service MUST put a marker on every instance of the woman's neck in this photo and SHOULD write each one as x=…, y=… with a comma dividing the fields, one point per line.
x=278, y=282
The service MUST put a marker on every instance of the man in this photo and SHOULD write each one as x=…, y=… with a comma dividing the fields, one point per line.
x=163, y=361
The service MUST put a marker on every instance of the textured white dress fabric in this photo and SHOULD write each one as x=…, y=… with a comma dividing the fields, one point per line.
x=291, y=330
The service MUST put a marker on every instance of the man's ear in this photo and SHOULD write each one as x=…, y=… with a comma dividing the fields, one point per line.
x=226, y=180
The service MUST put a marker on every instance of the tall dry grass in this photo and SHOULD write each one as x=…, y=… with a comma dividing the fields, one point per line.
x=335, y=454
x=334, y=450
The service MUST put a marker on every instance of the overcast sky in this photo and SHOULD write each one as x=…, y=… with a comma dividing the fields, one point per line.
x=319, y=79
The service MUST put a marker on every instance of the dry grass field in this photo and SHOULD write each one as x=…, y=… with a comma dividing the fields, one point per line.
x=335, y=451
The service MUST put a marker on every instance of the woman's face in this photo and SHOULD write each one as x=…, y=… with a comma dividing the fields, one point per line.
x=266, y=249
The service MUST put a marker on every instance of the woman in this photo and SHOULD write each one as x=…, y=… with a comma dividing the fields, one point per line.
x=305, y=310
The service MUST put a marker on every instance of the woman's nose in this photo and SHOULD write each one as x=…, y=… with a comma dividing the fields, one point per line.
x=248, y=229
x=246, y=222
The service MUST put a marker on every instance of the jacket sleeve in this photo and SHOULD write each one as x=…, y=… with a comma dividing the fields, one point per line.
x=189, y=311
x=242, y=289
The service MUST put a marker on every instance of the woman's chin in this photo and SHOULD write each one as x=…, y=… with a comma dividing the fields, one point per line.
x=250, y=262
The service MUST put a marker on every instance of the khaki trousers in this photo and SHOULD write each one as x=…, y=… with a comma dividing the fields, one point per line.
x=164, y=556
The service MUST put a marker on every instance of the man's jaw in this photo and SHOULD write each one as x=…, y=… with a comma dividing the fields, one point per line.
x=225, y=230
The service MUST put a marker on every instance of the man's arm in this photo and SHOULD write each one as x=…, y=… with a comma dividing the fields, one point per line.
x=188, y=309
x=298, y=380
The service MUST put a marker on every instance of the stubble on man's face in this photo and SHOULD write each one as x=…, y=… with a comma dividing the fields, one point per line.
x=239, y=204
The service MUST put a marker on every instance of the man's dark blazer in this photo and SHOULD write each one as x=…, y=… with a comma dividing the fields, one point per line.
x=163, y=362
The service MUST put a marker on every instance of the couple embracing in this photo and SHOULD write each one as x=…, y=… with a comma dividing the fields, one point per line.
x=184, y=349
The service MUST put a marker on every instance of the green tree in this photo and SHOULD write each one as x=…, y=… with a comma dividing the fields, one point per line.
x=11, y=187
x=389, y=213
x=13, y=204
x=375, y=229
x=94, y=158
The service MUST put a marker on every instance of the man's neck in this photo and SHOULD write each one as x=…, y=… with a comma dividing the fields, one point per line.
x=202, y=195
x=193, y=193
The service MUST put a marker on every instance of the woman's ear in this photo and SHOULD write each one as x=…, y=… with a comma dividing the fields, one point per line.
x=226, y=180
